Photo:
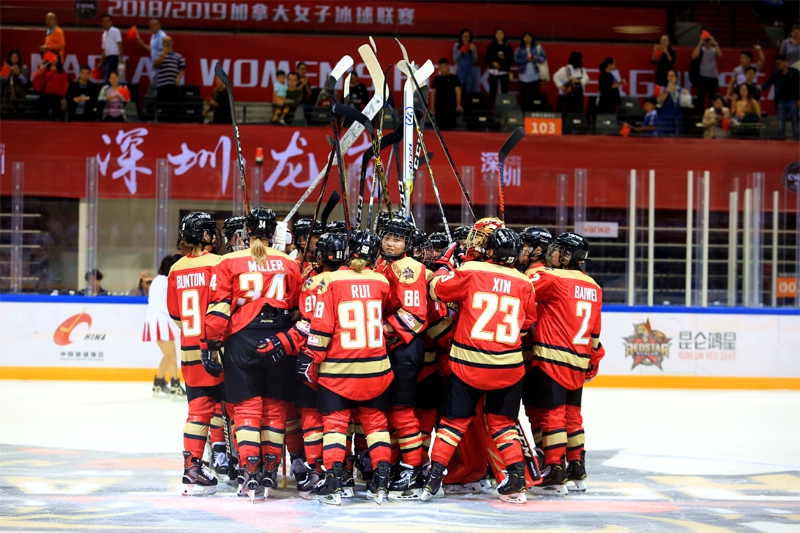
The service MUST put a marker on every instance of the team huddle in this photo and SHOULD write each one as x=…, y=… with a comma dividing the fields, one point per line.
x=360, y=349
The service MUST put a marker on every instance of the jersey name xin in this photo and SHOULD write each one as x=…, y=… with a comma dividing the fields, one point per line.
x=501, y=285
x=585, y=293
x=187, y=281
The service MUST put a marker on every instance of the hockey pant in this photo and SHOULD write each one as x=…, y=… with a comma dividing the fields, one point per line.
x=294, y=431
x=427, y=420
x=562, y=433
x=312, y=435
x=260, y=429
x=501, y=428
x=195, y=432
x=334, y=441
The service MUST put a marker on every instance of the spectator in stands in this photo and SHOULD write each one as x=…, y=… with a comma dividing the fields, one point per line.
x=14, y=78
x=787, y=95
x=54, y=38
x=156, y=44
x=499, y=57
x=445, y=97
x=82, y=97
x=115, y=97
x=358, y=92
x=219, y=103
x=145, y=280
x=528, y=57
x=111, y=46
x=279, y=96
x=172, y=68
x=304, y=84
x=707, y=52
x=672, y=98
x=93, y=278
x=52, y=82
x=745, y=62
x=716, y=120
x=465, y=55
x=608, y=100
x=570, y=80
x=790, y=48
x=663, y=58
x=294, y=95
x=749, y=79
x=649, y=127
x=747, y=113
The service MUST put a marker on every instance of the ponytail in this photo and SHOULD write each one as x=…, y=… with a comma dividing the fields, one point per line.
x=258, y=250
x=358, y=264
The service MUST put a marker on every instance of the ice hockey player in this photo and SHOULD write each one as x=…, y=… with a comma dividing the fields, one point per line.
x=496, y=303
x=346, y=355
x=188, y=292
x=254, y=291
x=406, y=319
x=567, y=352
x=438, y=244
x=302, y=229
x=235, y=234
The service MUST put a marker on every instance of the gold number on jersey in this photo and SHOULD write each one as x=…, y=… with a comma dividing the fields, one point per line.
x=411, y=299
x=583, y=309
x=309, y=305
x=190, y=313
x=252, y=283
x=213, y=283
x=362, y=324
x=508, y=331
x=277, y=287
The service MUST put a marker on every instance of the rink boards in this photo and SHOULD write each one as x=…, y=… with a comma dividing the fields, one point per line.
x=76, y=338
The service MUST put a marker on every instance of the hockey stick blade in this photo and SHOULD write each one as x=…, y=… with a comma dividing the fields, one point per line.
x=354, y=114
x=372, y=42
x=513, y=139
x=326, y=212
x=344, y=64
x=220, y=72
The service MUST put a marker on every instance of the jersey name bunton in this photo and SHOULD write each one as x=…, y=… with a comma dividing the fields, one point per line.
x=187, y=281
x=585, y=293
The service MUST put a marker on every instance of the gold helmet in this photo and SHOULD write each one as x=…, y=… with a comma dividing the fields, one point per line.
x=476, y=240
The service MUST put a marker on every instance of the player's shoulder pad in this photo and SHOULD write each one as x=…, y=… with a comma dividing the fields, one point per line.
x=184, y=263
x=407, y=270
x=274, y=251
x=576, y=275
x=313, y=281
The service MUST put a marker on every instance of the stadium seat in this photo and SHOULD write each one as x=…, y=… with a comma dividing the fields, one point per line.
x=189, y=92
x=257, y=113
x=630, y=102
x=512, y=120
x=473, y=101
x=482, y=121
x=505, y=103
x=576, y=124
x=606, y=125
x=319, y=116
x=540, y=104
x=298, y=117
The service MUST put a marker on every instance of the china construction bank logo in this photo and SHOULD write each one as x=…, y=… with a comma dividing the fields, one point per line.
x=646, y=346
x=63, y=332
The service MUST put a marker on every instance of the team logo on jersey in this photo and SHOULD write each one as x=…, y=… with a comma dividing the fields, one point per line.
x=647, y=346
x=407, y=273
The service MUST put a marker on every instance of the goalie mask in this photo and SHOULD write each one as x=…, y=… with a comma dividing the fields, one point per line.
x=476, y=240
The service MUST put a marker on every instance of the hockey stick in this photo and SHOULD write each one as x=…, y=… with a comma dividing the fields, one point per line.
x=441, y=139
x=515, y=137
x=531, y=461
x=230, y=449
x=384, y=143
x=221, y=74
x=316, y=209
x=329, y=207
x=410, y=160
x=344, y=64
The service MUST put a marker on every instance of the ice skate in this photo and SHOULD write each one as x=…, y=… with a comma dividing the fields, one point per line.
x=308, y=480
x=380, y=482
x=364, y=466
x=197, y=478
x=269, y=481
x=298, y=470
x=177, y=392
x=160, y=388
x=553, y=479
x=576, y=474
x=512, y=488
x=330, y=491
x=348, y=483
x=432, y=488
x=220, y=462
x=251, y=479
x=468, y=488
x=408, y=485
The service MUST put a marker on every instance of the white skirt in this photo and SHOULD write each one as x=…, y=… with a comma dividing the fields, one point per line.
x=159, y=327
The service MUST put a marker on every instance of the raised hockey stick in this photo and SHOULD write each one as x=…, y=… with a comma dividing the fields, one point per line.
x=316, y=209
x=344, y=64
x=441, y=139
x=329, y=207
x=410, y=160
x=384, y=143
x=515, y=137
x=221, y=74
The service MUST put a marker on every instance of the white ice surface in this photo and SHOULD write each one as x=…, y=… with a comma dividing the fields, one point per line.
x=680, y=432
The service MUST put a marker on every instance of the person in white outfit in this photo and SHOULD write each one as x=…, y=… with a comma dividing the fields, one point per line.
x=159, y=328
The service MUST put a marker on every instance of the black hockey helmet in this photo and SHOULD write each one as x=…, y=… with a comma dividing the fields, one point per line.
x=303, y=227
x=505, y=246
x=194, y=226
x=331, y=248
x=538, y=238
x=383, y=219
x=261, y=222
x=336, y=226
x=402, y=228
x=364, y=245
x=232, y=225
x=439, y=240
x=461, y=233
x=573, y=250
x=420, y=246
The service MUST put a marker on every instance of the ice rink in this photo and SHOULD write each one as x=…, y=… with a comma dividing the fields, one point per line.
x=92, y=456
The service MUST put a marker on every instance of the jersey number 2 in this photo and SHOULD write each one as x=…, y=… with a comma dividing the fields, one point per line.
x=584, y=310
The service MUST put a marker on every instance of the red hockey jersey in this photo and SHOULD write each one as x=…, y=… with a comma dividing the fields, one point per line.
x=527, y=340
x=346, y=334
x=495, y=304
x=241, y=288
x=408, y=307
x=188, y=294
x=567, y=337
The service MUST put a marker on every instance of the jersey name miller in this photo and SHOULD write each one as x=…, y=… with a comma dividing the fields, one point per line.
x=273, y=265
x=187, y=281
x=585, y=293
x=360, y=291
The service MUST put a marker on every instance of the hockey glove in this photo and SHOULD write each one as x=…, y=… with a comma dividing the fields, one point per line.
x=450, y=260
x=306, y=368
x=592, y=372
x=211, y=362
x=275, y=348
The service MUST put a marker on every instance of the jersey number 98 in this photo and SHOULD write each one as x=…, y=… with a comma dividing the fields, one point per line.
x=361, y=323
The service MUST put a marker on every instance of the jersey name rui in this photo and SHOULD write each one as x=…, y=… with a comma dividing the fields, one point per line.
x=273, y=265
x=501, y=285
x=186, y=281
x=360, y=291
x=585, y=293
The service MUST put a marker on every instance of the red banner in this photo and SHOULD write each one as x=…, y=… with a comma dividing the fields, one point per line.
x=202, y=158
x=253, y=60
x=355, y=17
